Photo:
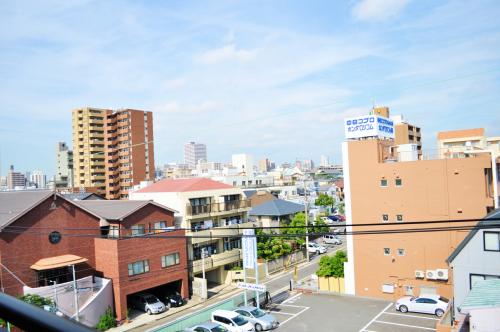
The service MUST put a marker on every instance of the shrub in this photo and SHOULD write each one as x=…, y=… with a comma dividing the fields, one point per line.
x=106, y=321
x=332, y=266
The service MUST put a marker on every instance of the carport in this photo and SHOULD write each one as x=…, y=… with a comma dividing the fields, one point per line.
x=161, y=291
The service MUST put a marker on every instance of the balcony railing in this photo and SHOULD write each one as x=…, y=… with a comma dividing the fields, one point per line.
x=225, y=231
x=216, y=208
x=216, y=260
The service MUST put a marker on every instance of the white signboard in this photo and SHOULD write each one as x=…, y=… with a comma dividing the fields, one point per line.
x=254, y=287
x=249, y=247
x=369, y=125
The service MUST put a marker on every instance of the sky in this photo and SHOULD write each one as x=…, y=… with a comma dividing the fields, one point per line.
x=274, y=79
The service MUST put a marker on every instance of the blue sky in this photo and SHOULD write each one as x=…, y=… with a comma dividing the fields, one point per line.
x=270, y=78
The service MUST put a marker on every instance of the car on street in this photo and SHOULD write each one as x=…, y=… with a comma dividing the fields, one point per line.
x=315, y=248
x=340, y=217
x=206, y=327
x=174, y=299
x=232, y=321
x=428, y=304
x=332, y=239
x=147, y=303
x=259, y=318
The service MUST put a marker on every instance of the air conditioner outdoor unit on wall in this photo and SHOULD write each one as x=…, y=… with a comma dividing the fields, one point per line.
x=419, y=274
x=442, y=274
x=431, y=274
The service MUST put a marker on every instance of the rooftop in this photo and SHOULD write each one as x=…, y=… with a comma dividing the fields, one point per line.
x=114, y=210
x=184, y=185
x=276, y=207
x=484, y=294
x=14, y=204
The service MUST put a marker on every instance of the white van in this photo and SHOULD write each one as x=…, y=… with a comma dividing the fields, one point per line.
x=232, y=321
x=331, y=239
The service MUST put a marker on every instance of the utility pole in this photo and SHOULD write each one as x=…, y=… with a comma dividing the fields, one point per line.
x=75, y=293
x=203, y=261
x=54, y=282
x=306, y=220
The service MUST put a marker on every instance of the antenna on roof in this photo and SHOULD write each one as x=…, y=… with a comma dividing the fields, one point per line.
x=53, y=205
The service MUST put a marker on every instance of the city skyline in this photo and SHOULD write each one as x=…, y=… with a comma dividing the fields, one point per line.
x=272, y=80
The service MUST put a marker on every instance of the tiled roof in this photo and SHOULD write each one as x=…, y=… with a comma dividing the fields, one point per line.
x=114, y=210
x=14, y=204
x=81, y=196
x=484, y=294
x=276, y=207
x=184, y=185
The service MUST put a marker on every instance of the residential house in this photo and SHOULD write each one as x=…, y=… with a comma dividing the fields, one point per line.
x=275, y=213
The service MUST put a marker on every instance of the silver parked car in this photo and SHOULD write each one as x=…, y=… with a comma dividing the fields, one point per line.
x=259, y=318
x=148, y=303
x=207, y=327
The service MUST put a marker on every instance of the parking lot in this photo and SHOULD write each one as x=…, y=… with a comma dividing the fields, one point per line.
x=319, y=312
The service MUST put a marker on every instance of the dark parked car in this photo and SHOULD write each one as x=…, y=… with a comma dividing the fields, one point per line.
x=174, y=300
x=340, y=217
x=333, y=218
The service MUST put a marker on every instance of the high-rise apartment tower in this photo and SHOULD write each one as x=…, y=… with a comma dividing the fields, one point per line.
x=193, y=152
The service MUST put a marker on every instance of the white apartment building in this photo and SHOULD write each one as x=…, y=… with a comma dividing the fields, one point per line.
x=193, y=152
x=212, y=213
x=243, y=162
x=38, y=178
x=64, y=167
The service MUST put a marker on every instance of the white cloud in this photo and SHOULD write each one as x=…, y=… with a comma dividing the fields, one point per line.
x=227, y=53
x=377, y=10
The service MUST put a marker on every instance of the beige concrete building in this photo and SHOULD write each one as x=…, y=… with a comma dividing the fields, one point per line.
x=112, y=150
x=457, y=143
x=214, y=212
x=382, y=191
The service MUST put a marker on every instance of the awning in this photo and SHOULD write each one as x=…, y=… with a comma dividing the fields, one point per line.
x=57, y=261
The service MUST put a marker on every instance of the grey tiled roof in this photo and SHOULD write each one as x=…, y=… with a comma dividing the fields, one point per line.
x=486, y=221
x=276, y=207
x=81, y=196
x=14, y=204
x=114, y=210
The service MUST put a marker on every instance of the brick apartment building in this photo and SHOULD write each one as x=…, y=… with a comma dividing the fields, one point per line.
x=383, y=190
x=37, y=227
x=112, y=150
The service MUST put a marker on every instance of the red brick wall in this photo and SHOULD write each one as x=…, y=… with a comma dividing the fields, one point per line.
x=21, y=250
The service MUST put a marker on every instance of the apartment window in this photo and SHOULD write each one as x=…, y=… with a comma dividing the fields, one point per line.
x=399, y=217
x=399, y=182
x=401, y=252
x=387, y=251
x=231, y=243
x=138, y=230
x=491, y=241
x=473, y=278
x=383, y=183
x=160, y=226
x=139, y=267
x=385, y=217
x=170, y=260
x=114, y=231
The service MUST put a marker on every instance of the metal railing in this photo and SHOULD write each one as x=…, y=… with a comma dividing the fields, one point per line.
x=31, y=318
x=194, y=210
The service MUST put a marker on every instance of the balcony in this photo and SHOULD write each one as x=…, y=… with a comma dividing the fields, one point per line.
x=226, y=231
x=217, y=260
x=215, y=209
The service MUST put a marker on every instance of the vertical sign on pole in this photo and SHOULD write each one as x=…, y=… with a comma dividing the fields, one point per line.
x=249, y=247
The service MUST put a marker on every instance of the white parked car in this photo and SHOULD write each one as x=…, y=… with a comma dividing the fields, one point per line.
x=428, y=304
x=316, y=248
x=332, y=239
x=232, y=321
x=260, y=319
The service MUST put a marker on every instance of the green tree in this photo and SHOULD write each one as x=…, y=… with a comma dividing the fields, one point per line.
x=36, y=300
x=270, y=248
x=297, y=227
x=320, y=226
x=324, y=200
x=341, y=208
x=332, y=266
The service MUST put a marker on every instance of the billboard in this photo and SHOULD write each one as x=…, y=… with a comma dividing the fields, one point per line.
x=249, y=248
x=369, y=126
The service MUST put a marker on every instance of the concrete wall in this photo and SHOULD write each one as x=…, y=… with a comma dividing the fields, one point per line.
x=446, y=189
x=486, y=319
x=473, y=260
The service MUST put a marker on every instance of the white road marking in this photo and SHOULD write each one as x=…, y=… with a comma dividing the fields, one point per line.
x=292, y=305
x=368, y=331
x=283, y=313
x=374, y=318
x=405, y=315
x=414, y=326
x=295, y=315
x=292, y=298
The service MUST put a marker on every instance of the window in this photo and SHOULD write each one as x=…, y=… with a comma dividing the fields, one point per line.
x=473, y=278
x=399, y=182
x=491, y=241
x=114, y=231
x=385, y=217
x=170, y=260
x=160, y=226
x=408, y=290
x=401, y=252
x=399, y=217
x=138, y=230
x=138, y=267
x=387, y=251
x=383, y=183
x=388, y=288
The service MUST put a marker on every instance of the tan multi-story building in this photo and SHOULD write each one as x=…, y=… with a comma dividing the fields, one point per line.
x=112, y=150
x=382, y=191
x=458, y=143
x=214, y=212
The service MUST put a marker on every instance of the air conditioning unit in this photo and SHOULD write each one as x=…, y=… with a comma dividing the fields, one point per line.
x=419, y=274
x=442, y=274
x=431, y=274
